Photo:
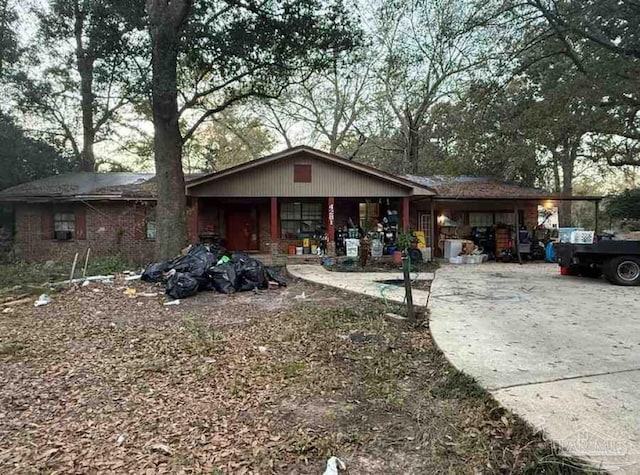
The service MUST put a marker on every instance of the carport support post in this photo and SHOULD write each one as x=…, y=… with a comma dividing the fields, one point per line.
x=432, y=229
x=595, y=223
x=516, y=220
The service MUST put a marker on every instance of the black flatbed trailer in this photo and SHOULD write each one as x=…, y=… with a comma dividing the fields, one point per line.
x=619, y=261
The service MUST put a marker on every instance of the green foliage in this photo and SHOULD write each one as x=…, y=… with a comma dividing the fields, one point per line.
x=625, y=205
x=108, y=265
x=9, y=50
x=23, y=158
x=232, y=51
x=86, y=63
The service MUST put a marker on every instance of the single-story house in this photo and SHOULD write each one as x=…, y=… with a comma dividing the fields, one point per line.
x=267, y=206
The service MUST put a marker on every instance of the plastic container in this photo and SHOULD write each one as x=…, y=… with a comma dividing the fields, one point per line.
x=564, y=234
x=292, y=250
x=299, y=250
x=376, y=248
x=352, y=246
x=314, y=249
x=456, y=260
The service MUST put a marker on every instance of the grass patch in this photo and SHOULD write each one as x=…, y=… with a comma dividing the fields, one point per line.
x=457, y=384
x=199, y=338
x=11, y=348
x=293, y=369
x=35, y=274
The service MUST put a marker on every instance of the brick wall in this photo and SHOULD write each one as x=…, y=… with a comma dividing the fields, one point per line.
x=110, y=228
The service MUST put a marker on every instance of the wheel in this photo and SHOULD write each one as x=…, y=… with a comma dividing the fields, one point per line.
x=623, y=270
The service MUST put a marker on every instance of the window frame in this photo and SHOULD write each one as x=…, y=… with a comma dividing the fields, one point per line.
x=70, y=223
x=309, y=217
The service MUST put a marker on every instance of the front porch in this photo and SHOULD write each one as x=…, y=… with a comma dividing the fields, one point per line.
x=284, y=225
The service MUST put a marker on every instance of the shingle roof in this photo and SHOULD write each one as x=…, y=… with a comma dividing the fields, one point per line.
x=468, y=187
x=82, y=184
x=86, y=185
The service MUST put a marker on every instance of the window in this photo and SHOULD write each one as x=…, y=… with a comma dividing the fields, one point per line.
x=505, y=218
x=150, y=227
x=369, y=215
x=424, y=225
x=480, y=219
x=301, y=173
x=299, y=219
x=64, y=226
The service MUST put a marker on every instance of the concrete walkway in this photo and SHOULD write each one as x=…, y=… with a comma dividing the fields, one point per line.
x=366, y=283
x=562, y=352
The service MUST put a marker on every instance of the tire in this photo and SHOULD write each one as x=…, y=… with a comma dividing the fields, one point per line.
x=623, y=270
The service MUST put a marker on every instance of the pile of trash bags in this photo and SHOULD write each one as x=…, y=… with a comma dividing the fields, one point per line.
x=209, y=268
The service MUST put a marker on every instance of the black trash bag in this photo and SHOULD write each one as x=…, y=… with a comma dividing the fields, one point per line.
x=251, y=275
x=196, y=263
x=274, y=276
x=223, y=277
x=181, y=285
x=155, y=272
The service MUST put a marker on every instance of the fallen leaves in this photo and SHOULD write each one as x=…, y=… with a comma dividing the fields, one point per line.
x=105, y=379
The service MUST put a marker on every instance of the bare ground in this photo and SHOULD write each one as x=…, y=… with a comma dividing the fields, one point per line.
x=98, y=382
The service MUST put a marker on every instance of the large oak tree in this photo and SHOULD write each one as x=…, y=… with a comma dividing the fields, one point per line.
x=208, y=56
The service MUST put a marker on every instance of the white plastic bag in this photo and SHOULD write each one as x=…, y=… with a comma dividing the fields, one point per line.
x=333, y=464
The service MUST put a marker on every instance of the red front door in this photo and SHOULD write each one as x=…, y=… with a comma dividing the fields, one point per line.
x=242, y=230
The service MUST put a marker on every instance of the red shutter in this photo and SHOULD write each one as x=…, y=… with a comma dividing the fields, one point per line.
x=81, y=222
x=46, y=224
x=301, y=173
x=140, y=228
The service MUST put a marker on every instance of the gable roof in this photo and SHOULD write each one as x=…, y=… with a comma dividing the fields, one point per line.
x=315, y=153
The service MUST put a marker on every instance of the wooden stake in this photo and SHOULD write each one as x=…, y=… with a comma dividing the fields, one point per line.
x=73, y=269
x=86, y=263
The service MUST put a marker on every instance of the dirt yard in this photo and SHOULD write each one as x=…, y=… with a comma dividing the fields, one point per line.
x=100, y=382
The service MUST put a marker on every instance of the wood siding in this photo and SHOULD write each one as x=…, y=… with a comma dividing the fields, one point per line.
x=277, y=179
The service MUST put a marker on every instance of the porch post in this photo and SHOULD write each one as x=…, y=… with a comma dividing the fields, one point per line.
x=405, y=213
x=273, y=217
x=195, y=220
x=331, y=219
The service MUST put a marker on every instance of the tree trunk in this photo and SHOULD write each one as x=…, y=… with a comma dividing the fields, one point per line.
x=413, y=151
x=165, y=29
x=85, y=60
x=87, y=158
x=568, y=164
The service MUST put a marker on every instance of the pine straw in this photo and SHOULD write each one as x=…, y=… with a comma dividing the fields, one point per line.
x=242, y=384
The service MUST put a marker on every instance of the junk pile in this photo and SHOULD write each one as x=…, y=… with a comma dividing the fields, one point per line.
x=208, y=268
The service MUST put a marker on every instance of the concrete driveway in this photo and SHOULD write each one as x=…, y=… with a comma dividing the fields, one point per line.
x=563, y=352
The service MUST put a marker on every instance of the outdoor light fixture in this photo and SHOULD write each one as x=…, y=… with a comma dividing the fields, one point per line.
x=441, y=219
x=548, y=204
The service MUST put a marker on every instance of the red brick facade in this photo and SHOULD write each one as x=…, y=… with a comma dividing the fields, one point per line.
x=108, y=228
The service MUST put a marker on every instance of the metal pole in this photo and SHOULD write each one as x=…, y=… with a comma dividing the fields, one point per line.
x=517, y=239
x=597, y=207
x=432, y=229
x=407, y=288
